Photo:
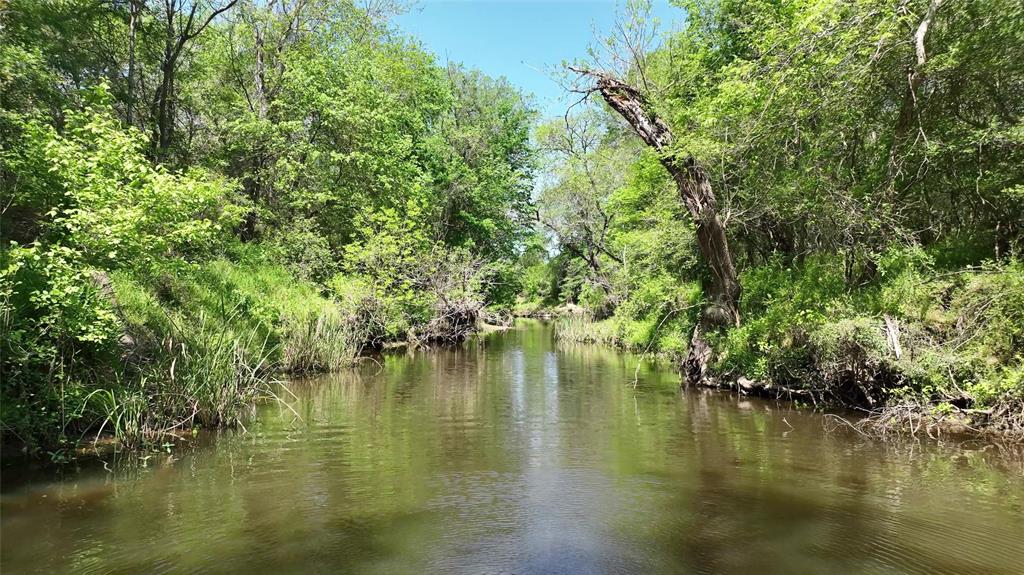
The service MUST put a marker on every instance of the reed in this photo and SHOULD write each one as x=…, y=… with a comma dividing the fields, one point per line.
x=204, y=374
x=323, y=341
x=578, y=328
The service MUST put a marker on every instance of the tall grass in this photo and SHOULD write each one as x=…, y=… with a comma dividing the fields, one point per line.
x=312, y=331
x=323, y=341
x=201, y=375
x=578, y=328
x=202, y=345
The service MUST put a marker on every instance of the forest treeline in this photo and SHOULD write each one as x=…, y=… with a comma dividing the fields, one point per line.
x=200, y=193
x=818, y=200
x=815, y=200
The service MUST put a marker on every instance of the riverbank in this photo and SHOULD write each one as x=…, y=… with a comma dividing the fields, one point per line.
x=192, y=346
x=161, y=265
x=917, y=351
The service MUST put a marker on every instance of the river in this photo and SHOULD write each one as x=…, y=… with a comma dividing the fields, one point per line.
x=514, y=454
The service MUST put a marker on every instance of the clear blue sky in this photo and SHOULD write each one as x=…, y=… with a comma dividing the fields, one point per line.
x=522, y=40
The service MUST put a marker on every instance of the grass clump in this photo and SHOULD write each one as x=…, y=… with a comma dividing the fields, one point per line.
x=579, y=328
x=654, y=317
x=202, y=375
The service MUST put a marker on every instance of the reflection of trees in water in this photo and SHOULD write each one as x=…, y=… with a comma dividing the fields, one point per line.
x=749, y=502
x=762, y=493
x=488, y=444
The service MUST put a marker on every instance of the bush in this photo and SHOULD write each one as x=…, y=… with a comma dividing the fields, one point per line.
x=409, y=286
x=94, y=204
x=851, y=354
x=107, y=326
x=304, y=249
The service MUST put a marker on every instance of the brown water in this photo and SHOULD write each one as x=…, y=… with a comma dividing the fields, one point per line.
x=514, y=455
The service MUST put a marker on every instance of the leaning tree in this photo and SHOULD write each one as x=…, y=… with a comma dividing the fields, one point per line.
x=721, y=286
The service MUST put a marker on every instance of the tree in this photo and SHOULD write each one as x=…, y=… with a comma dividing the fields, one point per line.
x=183, y=21
x=484, y=163
x=135, y=10
x=588, y=167
x=722, y=287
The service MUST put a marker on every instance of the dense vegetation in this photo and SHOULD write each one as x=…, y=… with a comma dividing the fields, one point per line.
x=867, y=161
x=815, y=199
x=198, y=194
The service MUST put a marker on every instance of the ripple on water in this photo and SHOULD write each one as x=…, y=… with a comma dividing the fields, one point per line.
x=516, y=455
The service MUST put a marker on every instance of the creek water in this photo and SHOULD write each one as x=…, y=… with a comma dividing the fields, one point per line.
x=514, y=454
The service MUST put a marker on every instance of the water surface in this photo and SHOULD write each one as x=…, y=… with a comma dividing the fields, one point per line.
x=512, y=454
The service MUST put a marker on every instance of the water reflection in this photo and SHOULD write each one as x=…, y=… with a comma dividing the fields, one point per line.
x=513, y=455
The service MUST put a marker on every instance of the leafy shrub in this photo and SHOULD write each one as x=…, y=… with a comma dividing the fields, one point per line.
x=305, y=250
x=96, y=204
x=903, y=273
x=960, y=335
x=851, y=353
x=408, y=286
x=594, y=299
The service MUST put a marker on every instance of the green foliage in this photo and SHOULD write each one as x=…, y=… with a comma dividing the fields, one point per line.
x=100, y=206
x=537, y=277
x=955, y=337
x=625, y=243
x=260, y=304
x=854, y=348
x=577, y=328
x=305, y=250
x=300, y=181
x=868, y=189
x=377, y=196
x=903, y=272
x=390, y=262
x=1006, y=383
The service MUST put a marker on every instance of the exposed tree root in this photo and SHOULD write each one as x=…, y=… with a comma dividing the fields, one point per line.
x=916, y=419
x=906, y=419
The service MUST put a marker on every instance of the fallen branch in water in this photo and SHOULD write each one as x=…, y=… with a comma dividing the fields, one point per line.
x=837, y=421
x=747, y=386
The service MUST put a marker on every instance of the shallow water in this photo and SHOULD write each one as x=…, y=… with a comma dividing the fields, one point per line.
x=512, y=454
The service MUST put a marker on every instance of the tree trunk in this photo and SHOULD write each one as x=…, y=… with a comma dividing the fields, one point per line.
x=165, y=117
x=259, y=73
x=722, y=287
x=254, y=182
x=180, y=26
x=135, y=9
x=916, y=76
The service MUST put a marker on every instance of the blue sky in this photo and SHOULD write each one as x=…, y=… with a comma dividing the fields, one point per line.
x=522, y=40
